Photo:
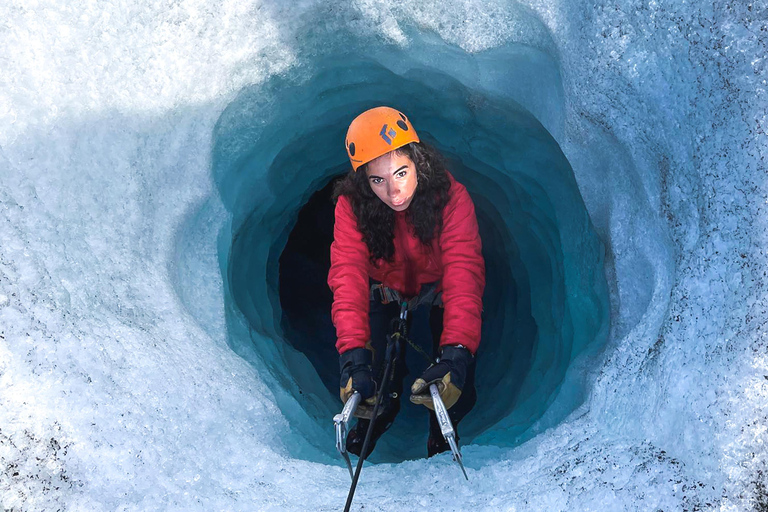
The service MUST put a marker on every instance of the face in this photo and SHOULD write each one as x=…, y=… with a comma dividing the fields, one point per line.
x=392, y=178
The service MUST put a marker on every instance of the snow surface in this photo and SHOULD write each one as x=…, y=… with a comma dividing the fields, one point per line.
x=119, y=388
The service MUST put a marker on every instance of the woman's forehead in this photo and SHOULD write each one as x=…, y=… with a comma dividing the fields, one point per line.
x=388, y=163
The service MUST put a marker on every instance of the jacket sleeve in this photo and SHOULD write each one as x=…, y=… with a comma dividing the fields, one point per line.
x=463, y=271
x=348, y=279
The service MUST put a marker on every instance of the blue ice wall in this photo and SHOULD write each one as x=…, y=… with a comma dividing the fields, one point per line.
x=546, y=301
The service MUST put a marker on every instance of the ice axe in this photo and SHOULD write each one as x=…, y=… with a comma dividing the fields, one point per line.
x=446, y=427
x=340, y=421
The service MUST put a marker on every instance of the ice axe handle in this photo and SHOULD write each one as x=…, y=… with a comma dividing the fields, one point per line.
x=446, y=427
x=350, y=407
x=341, y=421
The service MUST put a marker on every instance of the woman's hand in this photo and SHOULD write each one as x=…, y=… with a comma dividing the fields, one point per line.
x=449, y=374
x=356, y=374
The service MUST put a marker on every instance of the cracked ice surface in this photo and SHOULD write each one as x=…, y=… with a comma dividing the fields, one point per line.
x=115, y=394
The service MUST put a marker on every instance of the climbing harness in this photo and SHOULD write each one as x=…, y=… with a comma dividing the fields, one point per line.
x=428, y=295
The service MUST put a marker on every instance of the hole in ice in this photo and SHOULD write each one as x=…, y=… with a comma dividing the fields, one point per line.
x=278, y=148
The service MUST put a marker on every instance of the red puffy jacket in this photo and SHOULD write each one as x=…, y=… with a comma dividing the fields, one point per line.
x=454, y=258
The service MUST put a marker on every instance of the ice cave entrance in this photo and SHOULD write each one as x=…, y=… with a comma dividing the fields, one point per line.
x=277, y=150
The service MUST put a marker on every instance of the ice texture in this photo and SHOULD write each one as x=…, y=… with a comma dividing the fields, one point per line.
x=138, y=362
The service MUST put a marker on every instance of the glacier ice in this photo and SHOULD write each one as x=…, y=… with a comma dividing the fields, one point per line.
x=154, y=158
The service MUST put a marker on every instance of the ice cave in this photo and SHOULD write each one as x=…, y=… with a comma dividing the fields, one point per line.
x=165, y=194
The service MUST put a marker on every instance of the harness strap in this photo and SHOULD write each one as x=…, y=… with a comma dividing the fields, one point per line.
x=427, y=295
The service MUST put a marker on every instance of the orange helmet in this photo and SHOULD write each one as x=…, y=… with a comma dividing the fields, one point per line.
x=376, y=132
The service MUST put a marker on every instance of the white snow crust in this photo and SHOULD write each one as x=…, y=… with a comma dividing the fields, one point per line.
x=115, y=395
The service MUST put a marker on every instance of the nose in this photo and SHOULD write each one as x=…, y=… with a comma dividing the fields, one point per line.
x=394, y=189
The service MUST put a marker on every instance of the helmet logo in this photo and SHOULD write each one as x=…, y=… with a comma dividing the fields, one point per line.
x=387, y=134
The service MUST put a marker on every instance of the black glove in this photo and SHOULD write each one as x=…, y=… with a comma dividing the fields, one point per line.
x=450, y=374
x=357, y=375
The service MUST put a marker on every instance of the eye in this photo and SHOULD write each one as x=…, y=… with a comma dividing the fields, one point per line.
x=402, y=173
x=376, y=181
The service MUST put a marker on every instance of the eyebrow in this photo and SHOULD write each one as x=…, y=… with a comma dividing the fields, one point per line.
x=393, y=172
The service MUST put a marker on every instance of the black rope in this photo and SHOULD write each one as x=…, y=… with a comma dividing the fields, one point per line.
x=400, y=328
x=391, y=353
x=417, y=348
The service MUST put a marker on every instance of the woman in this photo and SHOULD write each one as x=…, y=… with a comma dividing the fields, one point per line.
x=404, y=230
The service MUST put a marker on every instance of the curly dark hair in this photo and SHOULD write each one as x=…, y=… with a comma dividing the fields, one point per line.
x=376, y=220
